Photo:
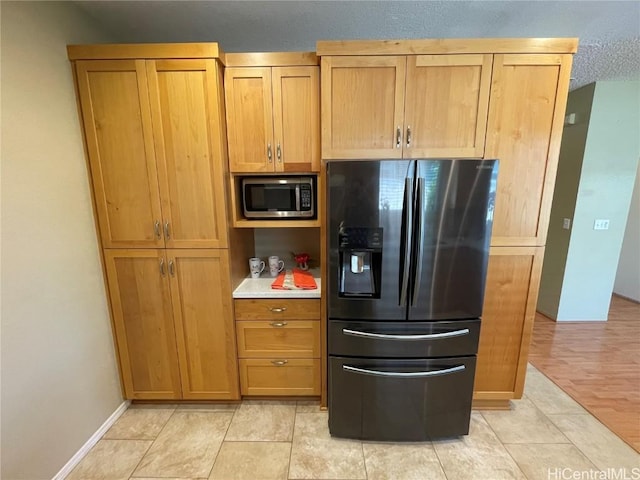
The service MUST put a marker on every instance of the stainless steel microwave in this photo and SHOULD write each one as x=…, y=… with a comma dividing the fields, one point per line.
x=278, y=197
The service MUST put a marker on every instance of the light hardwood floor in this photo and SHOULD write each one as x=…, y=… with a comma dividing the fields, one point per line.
x=596, y=363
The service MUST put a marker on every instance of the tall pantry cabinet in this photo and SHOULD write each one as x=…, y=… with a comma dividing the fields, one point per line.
x=457, y=112
x=153, y=118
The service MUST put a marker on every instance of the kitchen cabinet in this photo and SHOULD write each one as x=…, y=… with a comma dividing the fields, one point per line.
x=156, y=164
x=278, y=346
x=404, y=106
x=526, y=116
x=273, y=120
x=174, y=324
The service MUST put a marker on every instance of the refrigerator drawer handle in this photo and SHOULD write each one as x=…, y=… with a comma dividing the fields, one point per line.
x=429, y=336
x=377, y=373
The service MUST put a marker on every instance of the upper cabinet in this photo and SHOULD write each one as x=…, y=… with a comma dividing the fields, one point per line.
x=153, y=130
x=273, y=118
x=404, y=106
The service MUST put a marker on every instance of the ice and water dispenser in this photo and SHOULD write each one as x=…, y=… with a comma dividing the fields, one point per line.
x=360, y=253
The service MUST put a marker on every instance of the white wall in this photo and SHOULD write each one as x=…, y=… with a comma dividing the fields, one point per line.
x=627, y=281
x=59, y=376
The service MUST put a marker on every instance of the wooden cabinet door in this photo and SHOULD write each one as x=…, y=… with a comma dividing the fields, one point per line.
x=184, y=107
x=362, y=106
x=117, y=125
x=145, y=336
x=509, y=310
x=249, y=119
x=202, y=308
x=524, y=130
x=296, y=118
x=446, y=102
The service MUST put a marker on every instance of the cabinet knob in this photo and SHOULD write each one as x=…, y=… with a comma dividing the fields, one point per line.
x=279, y=363
x=269, y=154
x=279, y=153
x=166, y=231
x=172, y=268
x=278, y=309
x=398, y=137
x=408, y=136
x=278, y=324
x=162, y=267
x=156, y=229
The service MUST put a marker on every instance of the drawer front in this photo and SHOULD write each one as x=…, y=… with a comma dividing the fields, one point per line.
x=278, y=338
x=267, y=377
x=277, y=309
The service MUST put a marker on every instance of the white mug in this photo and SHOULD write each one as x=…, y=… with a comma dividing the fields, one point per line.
x=256, y=267
x=275, y=265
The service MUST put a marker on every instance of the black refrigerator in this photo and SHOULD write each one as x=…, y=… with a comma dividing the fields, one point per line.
x=408, y=244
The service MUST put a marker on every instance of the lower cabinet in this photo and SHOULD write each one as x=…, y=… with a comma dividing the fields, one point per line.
x=509, y=309
x=278, y=346
x=173, y=323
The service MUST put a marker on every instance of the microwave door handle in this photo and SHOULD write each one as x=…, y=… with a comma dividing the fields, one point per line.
x=297, y=197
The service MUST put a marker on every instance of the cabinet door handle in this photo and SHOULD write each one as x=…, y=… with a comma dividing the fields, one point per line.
x=269, y=154
x=156, y=229
x=172, y=269
x=278, y=309
x=398, y=137
x=279, y=363
x=278, y=324
x=162, y=267
x=408, y=136
x=279, y=153
x=166, y=231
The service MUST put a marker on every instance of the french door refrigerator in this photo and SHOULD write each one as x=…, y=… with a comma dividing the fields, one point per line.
x=408, y=244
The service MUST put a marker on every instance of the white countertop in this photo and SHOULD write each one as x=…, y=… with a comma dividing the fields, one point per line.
x=261, y=288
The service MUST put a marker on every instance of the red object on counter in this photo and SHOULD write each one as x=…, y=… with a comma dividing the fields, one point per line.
x=301, y=279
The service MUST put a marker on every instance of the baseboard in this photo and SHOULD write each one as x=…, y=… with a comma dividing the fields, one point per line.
x=626, y=298
x=79, y=455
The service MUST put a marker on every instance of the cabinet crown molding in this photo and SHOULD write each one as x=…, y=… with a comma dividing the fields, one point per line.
x=145, y=50
x=447, y=46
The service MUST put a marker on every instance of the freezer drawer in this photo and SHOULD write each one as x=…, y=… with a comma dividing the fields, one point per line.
x=400, y=400
x=403, y=339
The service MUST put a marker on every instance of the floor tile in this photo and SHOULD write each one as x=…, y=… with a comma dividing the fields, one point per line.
x=523, y=424
x=477, y=456
x=252, y=461
x=308, y=406
x=549, y=461
x=547, y=396
x=597, y=442
x=270, y=422
x=316, y=455
x=187, y=446
x=139, y=424
x=110, y=459
x=387, y=461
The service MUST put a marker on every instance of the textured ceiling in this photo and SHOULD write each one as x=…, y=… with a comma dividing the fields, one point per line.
x=609, y=31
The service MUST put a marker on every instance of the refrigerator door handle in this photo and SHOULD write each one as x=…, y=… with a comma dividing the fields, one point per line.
x=378, y=373
x=420, y=214
x=407, y=221
x=428, y=336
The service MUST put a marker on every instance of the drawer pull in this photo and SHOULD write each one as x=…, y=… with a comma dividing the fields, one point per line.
x=278, y=324
x=279, y=363
x=278, y=309
x=377, y=373
x=428, y=336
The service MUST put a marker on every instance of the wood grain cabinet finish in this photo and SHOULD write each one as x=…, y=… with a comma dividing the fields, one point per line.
x=278, y=346
x=156, y=161
x=273, y=119
x=413, y=106
x=174, y=325
x=526, y=113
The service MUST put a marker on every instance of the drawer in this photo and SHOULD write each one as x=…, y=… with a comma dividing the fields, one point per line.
x=277, y=309
x=278, y=338
x=280, y=377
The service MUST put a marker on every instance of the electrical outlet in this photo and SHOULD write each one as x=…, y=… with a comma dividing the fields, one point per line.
x=601, y=224
x=566, y=223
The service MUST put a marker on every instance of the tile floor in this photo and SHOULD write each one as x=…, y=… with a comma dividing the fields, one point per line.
x=546, y=436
